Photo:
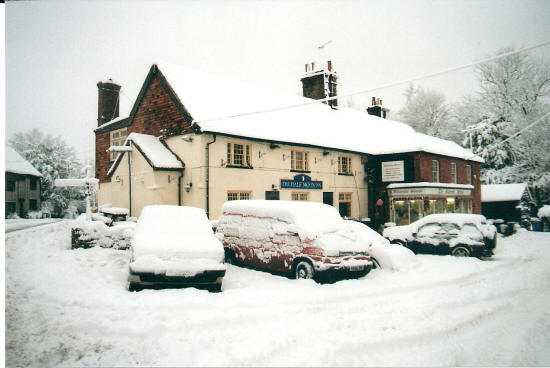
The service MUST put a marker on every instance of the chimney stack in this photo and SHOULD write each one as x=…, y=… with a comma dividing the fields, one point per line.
x=320, y=84
x=108, y=101
x=377, y=109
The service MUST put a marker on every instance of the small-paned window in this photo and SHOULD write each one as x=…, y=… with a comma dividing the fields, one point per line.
x=10, y=185
x=468, y=174
x=117, y=139
x=10, y=208
x=435, y=171
x=238, y=154
x=453, y=172
x=300, y=196
x=234, y=195
x=33, y=183
x=299, y=160
x=344, y=204
x=344, y=164
x=33, y=205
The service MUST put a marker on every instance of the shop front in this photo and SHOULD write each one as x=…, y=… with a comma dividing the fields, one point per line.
x=412, y=201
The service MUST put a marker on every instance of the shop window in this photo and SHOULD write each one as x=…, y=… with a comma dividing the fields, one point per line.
x=33, y=183
x=10, y=186
x=117, y=139
x=450, y=205
x=344, y=204
x=401, y=212
x=10, y=208
x=33, y=205
x=453, y=172
x=234, y=195
x=299, y=160
x=435, y=171
x=238, y=154
x=299, y=196
x=344, y=165
x=440, y=206
x=468, y=174
x=415, y=210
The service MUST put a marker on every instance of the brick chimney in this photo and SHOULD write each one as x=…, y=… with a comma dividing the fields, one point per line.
x=319, y=84
x=108, y=101
x=377, y=109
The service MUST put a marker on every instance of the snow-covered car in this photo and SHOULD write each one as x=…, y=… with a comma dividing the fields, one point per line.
x=174, y=246
x=453, y=233
x=303, y=239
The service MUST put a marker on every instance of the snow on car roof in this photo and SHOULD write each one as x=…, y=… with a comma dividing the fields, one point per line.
x=16, y=164
x=309, y=216
x=502, y=192
x=350, y=129
x=456, y=218
x=175, y=231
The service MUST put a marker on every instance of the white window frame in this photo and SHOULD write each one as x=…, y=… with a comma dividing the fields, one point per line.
x=469, y=174
x=435, y=171
x=299, y=196
x=453, y=172
x=344, y=164
x=301, y=164
x=235, y=157
x=239, y=195
x=117, y=138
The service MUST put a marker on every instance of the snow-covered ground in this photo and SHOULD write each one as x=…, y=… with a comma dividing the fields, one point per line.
x=18, y=224
x=70, y=308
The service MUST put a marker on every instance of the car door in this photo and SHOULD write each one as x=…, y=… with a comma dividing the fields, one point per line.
x=427, y=238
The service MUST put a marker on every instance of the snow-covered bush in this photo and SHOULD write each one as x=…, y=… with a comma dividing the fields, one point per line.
x=88, y=234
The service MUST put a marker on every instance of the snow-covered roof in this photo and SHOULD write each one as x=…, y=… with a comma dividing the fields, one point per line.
x=111, y=122
x=155, y=152
x=425, y=184
x=16, y=164
x=502, y=192
x=214, y=101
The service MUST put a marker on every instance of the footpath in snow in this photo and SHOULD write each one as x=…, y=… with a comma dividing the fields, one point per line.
x=70, y=308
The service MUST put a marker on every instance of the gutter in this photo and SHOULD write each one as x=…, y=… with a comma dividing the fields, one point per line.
x=208, y=176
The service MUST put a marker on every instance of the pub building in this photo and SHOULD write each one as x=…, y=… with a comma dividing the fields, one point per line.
x=196, y=139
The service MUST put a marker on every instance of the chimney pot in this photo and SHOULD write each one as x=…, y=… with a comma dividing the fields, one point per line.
x=312, y=66
x=329, y=65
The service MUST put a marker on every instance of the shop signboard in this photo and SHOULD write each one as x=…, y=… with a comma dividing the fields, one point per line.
x=393, y=171
x=430, y=191
x=301, y=182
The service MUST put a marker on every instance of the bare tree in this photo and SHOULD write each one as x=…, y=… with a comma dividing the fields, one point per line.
x=426, y=111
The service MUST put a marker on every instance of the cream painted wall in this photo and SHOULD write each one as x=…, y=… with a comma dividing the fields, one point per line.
x=269, y=167
x=148, y=186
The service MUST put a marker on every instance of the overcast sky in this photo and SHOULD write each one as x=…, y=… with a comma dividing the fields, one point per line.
x=56, y=52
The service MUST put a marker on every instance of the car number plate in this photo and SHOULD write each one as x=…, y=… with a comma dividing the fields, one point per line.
x=356, y=268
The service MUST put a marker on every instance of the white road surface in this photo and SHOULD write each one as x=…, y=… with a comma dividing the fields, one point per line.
x=70, y=308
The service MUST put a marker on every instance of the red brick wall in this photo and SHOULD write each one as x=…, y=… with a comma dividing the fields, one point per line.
x=423, y=172
x=156, y=111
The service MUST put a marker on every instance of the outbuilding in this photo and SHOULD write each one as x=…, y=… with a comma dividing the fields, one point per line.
x=22, y=185
x=506, y=201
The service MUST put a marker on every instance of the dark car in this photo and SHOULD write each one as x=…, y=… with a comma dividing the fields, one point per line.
x=461, y=235
x=174, y=246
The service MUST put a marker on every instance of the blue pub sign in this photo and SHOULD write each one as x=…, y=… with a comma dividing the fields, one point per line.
x=301, y=182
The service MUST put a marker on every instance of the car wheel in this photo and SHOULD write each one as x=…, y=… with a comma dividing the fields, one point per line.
x=461, y=252
x=375, y=263
x=134, y=287
x=215, y=288
x=229, y=256
x=304, y=270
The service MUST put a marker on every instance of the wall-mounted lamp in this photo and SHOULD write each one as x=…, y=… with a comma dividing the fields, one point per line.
x=273, y=145
x=222, y=163
x=274, y=187
x=118, y=179
x=188, y=187
x=326, y=152
x=187, y=138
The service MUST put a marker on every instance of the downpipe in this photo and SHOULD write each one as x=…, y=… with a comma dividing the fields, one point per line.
x=207, y=181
